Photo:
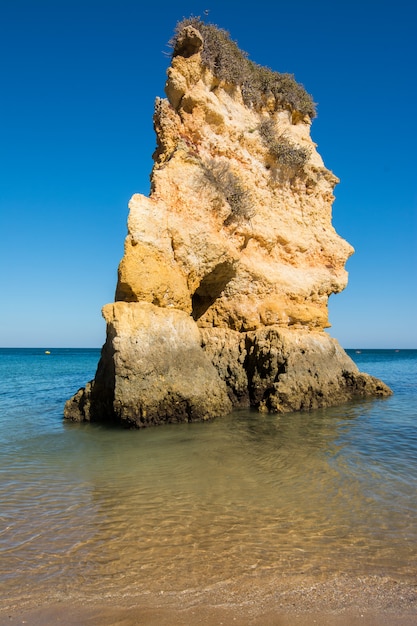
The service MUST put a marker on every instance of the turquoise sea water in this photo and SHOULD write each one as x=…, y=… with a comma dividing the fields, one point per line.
x=88, y=511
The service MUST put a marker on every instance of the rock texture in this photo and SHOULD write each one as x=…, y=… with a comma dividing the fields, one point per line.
x=223, y=288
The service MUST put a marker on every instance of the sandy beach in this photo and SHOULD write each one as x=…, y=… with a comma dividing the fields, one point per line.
x=208, y=616
x=368, y=601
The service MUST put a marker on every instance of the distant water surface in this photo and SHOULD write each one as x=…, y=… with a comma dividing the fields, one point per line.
x=91, y=511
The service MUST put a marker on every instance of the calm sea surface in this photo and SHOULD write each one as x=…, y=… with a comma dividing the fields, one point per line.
x=90, y=511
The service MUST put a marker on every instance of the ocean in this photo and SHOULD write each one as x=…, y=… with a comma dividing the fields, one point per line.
x=91, y=512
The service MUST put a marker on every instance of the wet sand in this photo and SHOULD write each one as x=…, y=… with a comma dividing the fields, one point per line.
x=365, y=601
x=207, y=616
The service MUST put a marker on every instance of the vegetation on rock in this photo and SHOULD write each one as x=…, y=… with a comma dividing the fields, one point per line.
x=285, y=152
x=258, y=83
x=228, y=184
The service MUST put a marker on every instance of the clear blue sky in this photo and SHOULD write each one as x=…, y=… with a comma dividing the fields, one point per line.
x=78, y=84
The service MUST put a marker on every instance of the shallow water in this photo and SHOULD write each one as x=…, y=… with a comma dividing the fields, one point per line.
x=90, y=511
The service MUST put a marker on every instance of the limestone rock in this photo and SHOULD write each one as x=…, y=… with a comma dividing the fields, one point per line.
x=280, y=370
x=223, y=288
x=153, y=370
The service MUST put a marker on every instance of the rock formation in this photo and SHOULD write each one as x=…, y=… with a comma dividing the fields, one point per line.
x=223, y=288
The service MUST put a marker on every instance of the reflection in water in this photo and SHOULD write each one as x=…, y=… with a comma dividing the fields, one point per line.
x=102, y=512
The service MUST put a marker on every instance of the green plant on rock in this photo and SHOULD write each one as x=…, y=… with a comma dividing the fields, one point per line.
x=258, y=83
x=280, y=148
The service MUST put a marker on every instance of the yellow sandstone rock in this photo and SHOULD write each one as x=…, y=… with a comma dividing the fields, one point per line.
x=234, y=251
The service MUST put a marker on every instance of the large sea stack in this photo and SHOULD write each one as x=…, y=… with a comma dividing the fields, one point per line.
x=222, y=293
